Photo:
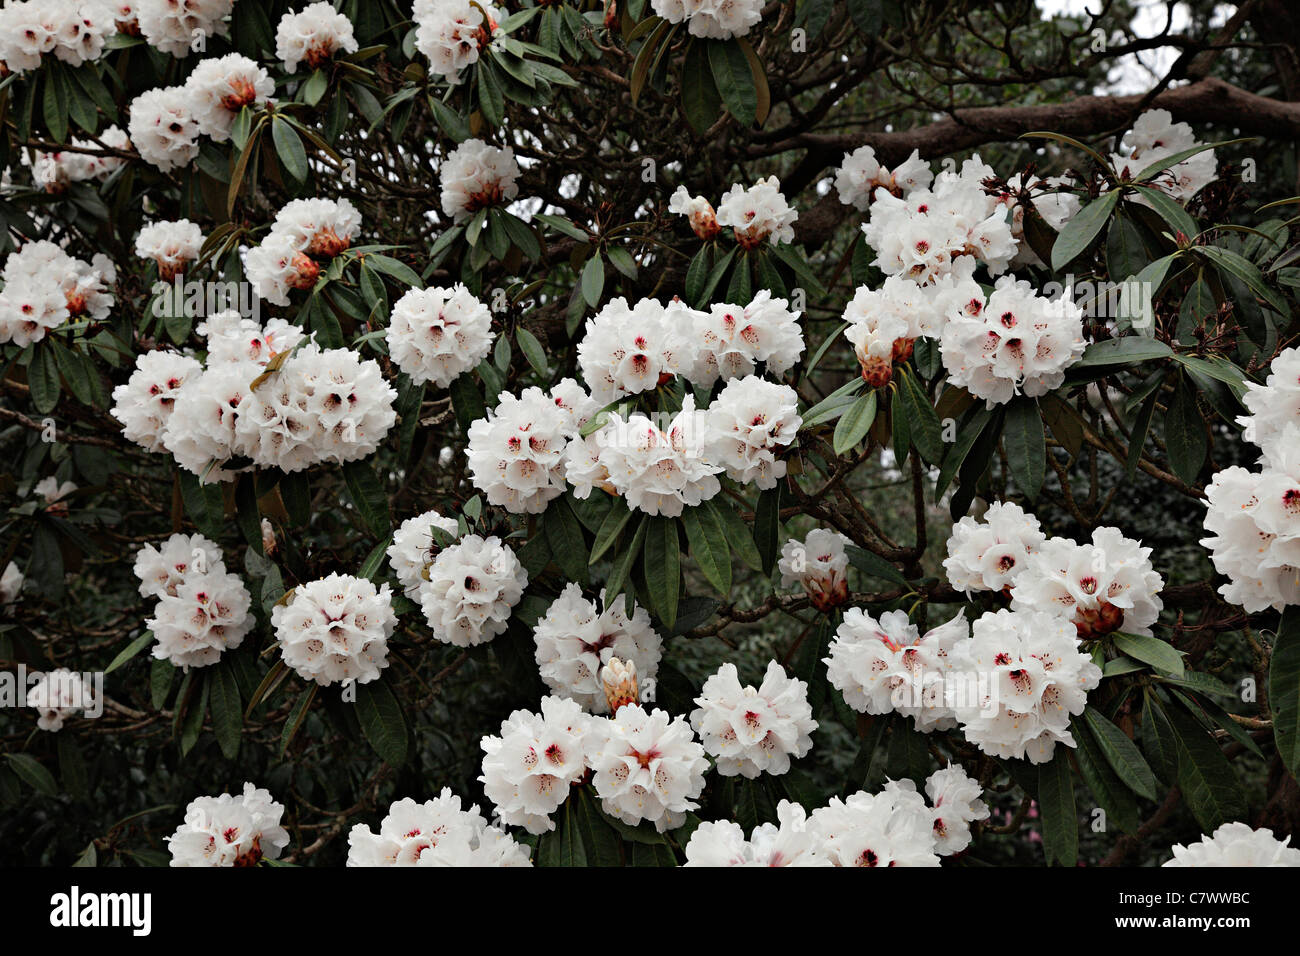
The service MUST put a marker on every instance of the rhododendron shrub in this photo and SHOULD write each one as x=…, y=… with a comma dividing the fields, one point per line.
x=644, y=433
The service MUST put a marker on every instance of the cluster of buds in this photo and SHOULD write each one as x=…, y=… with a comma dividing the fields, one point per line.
x=618, y=678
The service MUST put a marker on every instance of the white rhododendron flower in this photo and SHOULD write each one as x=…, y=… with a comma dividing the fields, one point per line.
x=207, y=615
x=313, y=36
x=11, y=584
x=436, y=335
x=55, y=171
x=575, y=639
x=516, y=453
x=230, y=830
x=631, y=349
x=231, y=338
x=955, y=801
x=890, y=828
x=452, y=33
x=1108, y=585
x=200, y=434
x=145, y=402
x=948, y=228
x=757, y=213
x=648, y=766
x=414, y=547
x=172, y=245
x=1026, y=677
x=219, y=88
x=1236, y=844
x=1254, y=522
x=752, y=731
x=886, y=664
x=729, y=341
x=787, y=843
x=1153, y=139
x=164, y=128
x=44, y=287
x=73, y=31
x=51, y=491
x=476, y=175
x=750, y=422
x=861, y=174
x=1016, y=342
x=1275, y=404
x=715, y=19
x=57, y=695
x=989, y=555
x=434, y=833
x=697, y=209
x=162, y=570
x=819, y=565
x=471, y=589
x=884, y=323
x=335, y=629
x=1050, y=201
x=529, y=768
x=277, y=266
x=319, y=227
x=656, y=471
x=174, y=25
x=320, y=405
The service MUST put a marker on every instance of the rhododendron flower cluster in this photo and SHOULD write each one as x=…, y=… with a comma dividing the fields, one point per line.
x=891, y=828
x=729, y=341
x=174, y=26
x=789, y=842
x=45, y=287
x=171, y=245
x=758, y=213
x=1254, y=522
x=476, y=175
x=885, y=664
x=335, y=629
x=1014, y=342
x=470, y=590
x=436, y=335
x=820, y=565
x=1154, y=138
x=203, y=610
x=57, y=695
x=658, y=471
x=434, y=833
x=516, y=453
x=751, y=421
x=305, y=233
x=861, y=174
x=631, y=349
x=945, y=229
x=754, y=730
x=529, y=768
x=230, y=830
x=73, y=31
x=1236, y=844
x=54, y=171
x=989, y=555
x=414, y=547
x=1108, y=585
x=717, y=19
x=648, y=766
x=452, y=33
x=219, y=88
x=1028, y=676
x=575, y=638
x=313, y=35
x=163, y=127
